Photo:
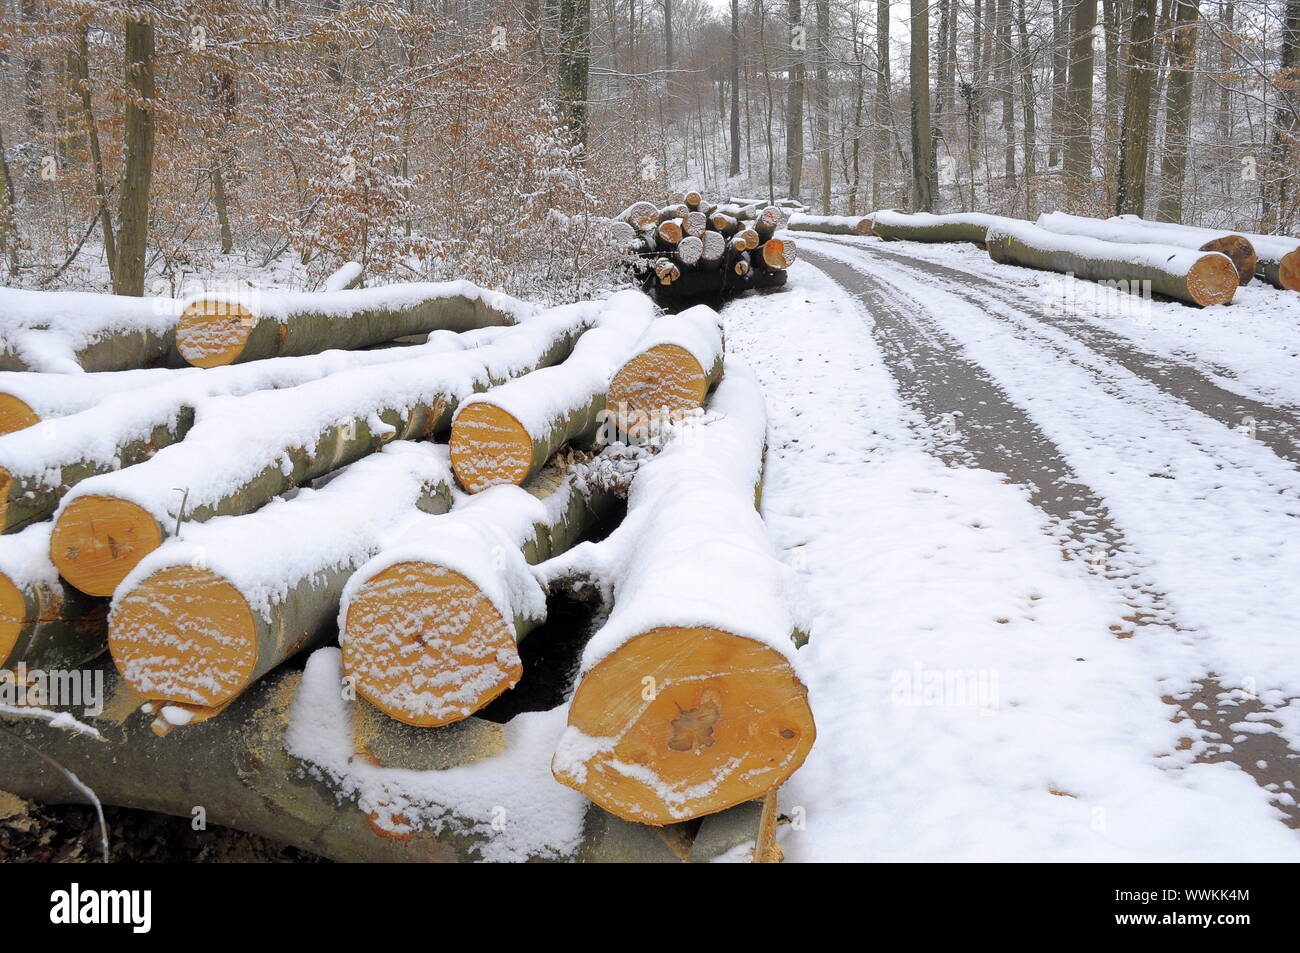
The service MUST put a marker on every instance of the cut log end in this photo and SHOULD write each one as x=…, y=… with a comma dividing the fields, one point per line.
x=213, y=333
x=425, y=645
x=1212, y=280
x=184, y=635
x=13, y=613
x=778, y=253
x=489, y=447
x=1242, y=253
x=98, y=540
x=1288, y=272
x=682, y=722
x=665, y=379
x=15, y=414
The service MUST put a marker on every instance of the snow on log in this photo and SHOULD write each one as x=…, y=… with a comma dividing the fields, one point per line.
x=688, y=699
x=925, y=227
x=746, y=239
x=639, y=215
x=689, y=250
x=44, y=623
x=347, y=277
x=430, y=626
x=741, y=264
x=1277, y=256
x=830, y=224
x=243, y=451
x=714, y=247
x=778, y=253
x=202, y=617
x=768, y=221
x=1193, y=277
x=697, y=223
x=676, y=362
x=41, y=463
x=1235, y=246
x=28, y=397
x=508, y=433
x=224, y=329
x=67, y=332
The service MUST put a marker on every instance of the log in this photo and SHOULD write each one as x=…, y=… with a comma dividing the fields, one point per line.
x=689, y=251
x=67, y=332
x=741, y=264
x=240, y=769
x=639, y=215
x=1277, y=256
x=28, y=397
x=923, y=227
x=726, y=224
x=1199, y=278
x=778, y=253
x=1236, y=247
x=669, y=234
x=216, y=330
x=666, y=271
x=346, y=277
x=508, y=433
x=673, y=212
x=44, y=623
x=688, y=700
x=624, y=237
x=430, y=626
x=203, y=617
x=697, y=223
x=768, y=221
x=747, y=239
x=714, y=249
x=693, y=198
x=40, y=464
x=243, y=451
x=676, y=362
x=711, y=285
x=830, y=224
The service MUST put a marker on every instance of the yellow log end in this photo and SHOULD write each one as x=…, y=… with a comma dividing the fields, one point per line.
x=213, y=333
x=489, y=447
x=15, y=414
x=98, y=540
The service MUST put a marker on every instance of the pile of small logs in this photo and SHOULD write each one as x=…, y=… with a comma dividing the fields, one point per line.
x=697, y=249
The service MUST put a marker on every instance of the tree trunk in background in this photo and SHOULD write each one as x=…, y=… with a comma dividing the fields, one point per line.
x=735, y=87
x=1031, y=120
x=1111, y=15
x=81, y=71
x=35, y=70
x=1061, y=13
x=1178, y=112
x=575, y=56
x=137, y=172
x=824, y=99
x=794, y=99
x=1130, y=195
x=1279, y=216
x=880, y=162
x=223, y=95
x=1005, y=93
x=9, y=238
x=922, y=138
x=1078, y=134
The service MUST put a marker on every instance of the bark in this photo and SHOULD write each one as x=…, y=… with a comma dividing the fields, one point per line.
x=824, y=100
x=880, y=157
x=137, y=172
x=1062, y=13
x=238, y=768
x=831, y=224
x=1078, y=134
x=1277, y=256
x=1031, y=120
x=1191, y=277
x=923, y=171
x=81, y=71
x=1178, y=111
x=734, y=169
x=1006, y=92
x=960, y=227
x=1130, y=197
x=794, y=103
x=1280, y=215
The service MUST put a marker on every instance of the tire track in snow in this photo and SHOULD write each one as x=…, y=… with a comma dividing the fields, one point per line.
x=1277, y=427
x=974, y=422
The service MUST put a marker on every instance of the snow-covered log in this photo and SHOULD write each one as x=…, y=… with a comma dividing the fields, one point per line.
x=689, y=700
x=44, y=623
x=67, y=332
x=123, y=425
x=1277, y=256
x=243, y=451
x=669, y=233
x=778, y=253
x=740, y=264
x=1235, y=246
x=508, y=433
x=689, y=250
x=202, y=617
x=430, y=626
x=675, y=363
x=746, y=239
x=1193, y=277
x=28, y=397
x=696, y=224
x=639, y=215
x=347, y=277
x=768, y=221
x=894, y=225
x=713, y=248
x=830, y=224
x=226, y=329
x=241, y=770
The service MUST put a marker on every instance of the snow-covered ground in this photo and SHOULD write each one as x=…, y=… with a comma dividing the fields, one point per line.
x=998, y=673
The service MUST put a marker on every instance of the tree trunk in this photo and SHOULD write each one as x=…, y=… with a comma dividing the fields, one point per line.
x=959, y=227
x=794, y=97
x=1062, y=15
x=880, y=159
x=1191, y=277
x=831, y=224
x=1078, y=137
x=198, y=627
x=269, y=442
x=81, y=70
x=1280, y=216
x=1006, y=91
x=137, y=171
x=1130, y=196
x=1031, y=122
x=701, y=698
x=1277, y=256
x=824, y=99
x=735, y=88
x=923, y=172
x=1178, y=111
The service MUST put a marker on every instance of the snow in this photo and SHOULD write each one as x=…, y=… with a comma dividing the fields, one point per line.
x=25, y=558
x=1270, y=246
x=697, y=330
x=510, y=804
x=349, y=272
x=1003, y=720
x=46, y=329
x=799, y=221
x=921, y=219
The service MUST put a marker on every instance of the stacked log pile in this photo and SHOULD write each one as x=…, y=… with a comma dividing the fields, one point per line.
x=205, y=524
x=701, y=249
